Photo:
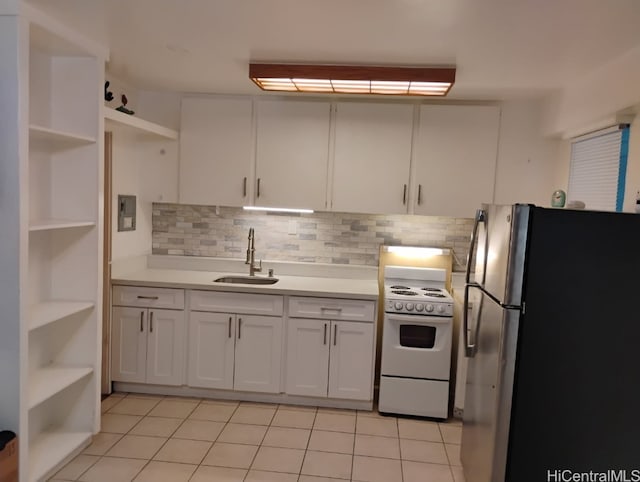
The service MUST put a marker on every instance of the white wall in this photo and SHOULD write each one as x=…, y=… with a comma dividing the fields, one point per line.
x=597, y=95
x=126, y=180
x=143, y=166
x=527, y=160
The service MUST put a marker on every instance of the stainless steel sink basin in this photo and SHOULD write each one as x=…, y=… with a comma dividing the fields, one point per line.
x=247, y=280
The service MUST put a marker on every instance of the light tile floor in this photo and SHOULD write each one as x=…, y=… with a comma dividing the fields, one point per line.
x=170, y=439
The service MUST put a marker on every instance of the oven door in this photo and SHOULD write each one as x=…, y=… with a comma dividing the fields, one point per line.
x=416, y=346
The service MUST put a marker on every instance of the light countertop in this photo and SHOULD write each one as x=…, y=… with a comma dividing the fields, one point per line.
x=365, y=289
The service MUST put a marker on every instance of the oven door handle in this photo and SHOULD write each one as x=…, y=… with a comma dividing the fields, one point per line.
x=419, y=319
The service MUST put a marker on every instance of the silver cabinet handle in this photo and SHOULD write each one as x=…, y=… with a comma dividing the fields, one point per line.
x=140, y=297
x=244, y=187
x=481, y=217
x=151, y=322
x=335, y=334
x=141, y=321
x=239, y=328
x=419, y=193
x=337, y=310
x=325, y=334
x=404, y=195
x=258, y=188
x=230, y=318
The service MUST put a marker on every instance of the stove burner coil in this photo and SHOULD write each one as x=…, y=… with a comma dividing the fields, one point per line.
x=405, y=293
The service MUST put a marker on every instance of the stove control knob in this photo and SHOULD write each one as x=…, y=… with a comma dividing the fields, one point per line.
x=398, y=305
x=409, y=306
x=429, y=308
x=440, y=308
x=419, y=307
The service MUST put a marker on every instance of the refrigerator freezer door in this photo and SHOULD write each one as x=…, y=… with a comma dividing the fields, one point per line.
x=489, y=389
x=500, y=251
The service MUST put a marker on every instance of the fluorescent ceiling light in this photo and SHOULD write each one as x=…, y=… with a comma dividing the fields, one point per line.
x=354, y=79
x=416, y=252
x=277, y=210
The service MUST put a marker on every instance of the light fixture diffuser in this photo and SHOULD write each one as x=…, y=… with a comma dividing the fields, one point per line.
x=354, y=79
x=277, y=210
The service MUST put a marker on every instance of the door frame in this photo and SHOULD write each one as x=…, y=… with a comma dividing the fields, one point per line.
x=105, y=380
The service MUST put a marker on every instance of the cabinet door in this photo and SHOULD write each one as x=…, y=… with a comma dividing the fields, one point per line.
x=372, y=156
x=258, y=353
x=292, y=154
x=128, y=344
x=308, y=357
x=211, y=347
x=455, y=158
x=351, y=360
x=165, y=347
x=216, y=149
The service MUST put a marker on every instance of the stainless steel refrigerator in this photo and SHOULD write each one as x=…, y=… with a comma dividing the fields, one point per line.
x=552, y=325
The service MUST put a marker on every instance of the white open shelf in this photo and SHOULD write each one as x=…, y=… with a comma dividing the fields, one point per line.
x=49, y=448
x=44, y=313
x=56, y=137
x=46, y=382
x=51, y=224
x=115, y=120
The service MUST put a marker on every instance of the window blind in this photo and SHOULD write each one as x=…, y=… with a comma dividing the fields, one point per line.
x=598, y=170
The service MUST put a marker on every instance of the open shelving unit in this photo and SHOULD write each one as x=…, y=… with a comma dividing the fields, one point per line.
x=116, y=120
x=48, y=381
x=51, y=311
x=58, y=169
x=51, y=447
x=57, y=138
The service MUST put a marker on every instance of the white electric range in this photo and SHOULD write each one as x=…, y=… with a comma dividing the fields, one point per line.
x=416, y=342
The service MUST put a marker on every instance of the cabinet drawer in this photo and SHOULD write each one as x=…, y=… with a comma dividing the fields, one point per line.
x=228, y=302
x=148, y=297
x=332, y=308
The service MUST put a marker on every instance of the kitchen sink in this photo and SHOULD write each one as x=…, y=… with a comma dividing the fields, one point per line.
x=248, y=280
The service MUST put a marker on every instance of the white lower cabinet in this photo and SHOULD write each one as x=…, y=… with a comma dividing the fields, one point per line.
x=330, y=358
x=351, y=360
x=147, y=345
x=236, y=350
x=211, y=349
x=308, y=357
x=230, y=351
x=258, y=354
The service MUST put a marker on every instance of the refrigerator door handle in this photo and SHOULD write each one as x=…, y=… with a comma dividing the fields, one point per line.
x=481, y=217
x=469, y=349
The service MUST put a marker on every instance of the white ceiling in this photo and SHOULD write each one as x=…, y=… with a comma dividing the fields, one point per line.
x=502, y=48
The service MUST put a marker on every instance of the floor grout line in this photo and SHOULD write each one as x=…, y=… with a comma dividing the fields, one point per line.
x=276, y=408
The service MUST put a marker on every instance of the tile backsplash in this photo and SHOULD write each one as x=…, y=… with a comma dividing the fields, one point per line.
x=321, y=237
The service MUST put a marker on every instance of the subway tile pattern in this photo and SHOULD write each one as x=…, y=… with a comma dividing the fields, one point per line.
x=322, y=237
x=262, y=443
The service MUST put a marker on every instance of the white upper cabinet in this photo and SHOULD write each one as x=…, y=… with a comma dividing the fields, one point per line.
x=216, y=151
x=455, y=159
x=292, y=154
x=372, y=158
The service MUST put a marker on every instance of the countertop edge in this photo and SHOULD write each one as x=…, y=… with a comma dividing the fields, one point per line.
x=369, y=292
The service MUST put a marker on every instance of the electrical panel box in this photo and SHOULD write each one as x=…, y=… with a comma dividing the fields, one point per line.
x=126, y=212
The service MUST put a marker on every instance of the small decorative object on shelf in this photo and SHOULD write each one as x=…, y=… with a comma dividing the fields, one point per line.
x=122, y=108
x=558, y=199
x=108, y=96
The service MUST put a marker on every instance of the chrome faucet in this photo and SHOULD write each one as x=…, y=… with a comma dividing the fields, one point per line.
x=250, y=255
